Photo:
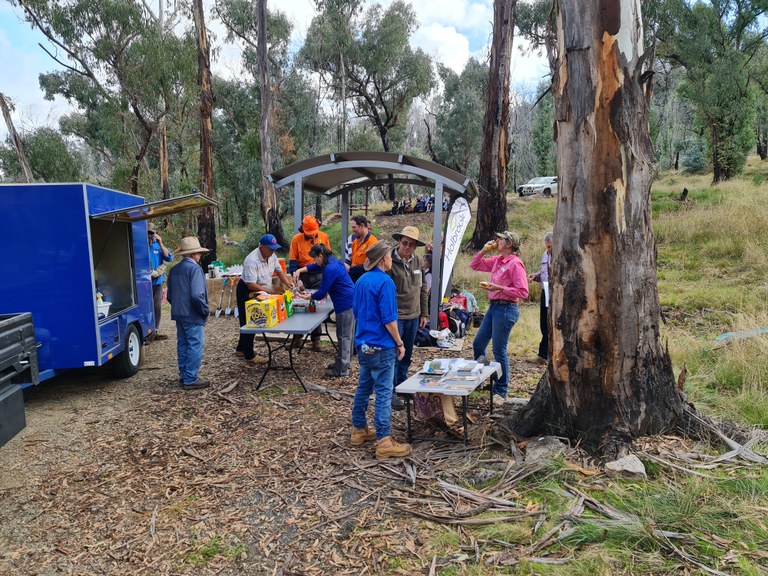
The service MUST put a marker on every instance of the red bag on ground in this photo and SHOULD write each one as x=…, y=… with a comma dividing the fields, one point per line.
x=459, y=300
x=442, y=320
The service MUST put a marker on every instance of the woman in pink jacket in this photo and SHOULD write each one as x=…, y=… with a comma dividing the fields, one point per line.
x=506, y=286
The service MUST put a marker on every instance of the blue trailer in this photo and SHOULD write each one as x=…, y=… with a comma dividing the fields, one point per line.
x=65, y=243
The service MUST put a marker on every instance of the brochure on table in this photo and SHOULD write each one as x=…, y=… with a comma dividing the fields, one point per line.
x=453, y=376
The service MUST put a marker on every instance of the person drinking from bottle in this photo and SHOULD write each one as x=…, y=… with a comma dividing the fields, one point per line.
x=506, y=286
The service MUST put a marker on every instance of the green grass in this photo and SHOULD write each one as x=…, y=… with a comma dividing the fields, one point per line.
x=215, y=546
x=718, y=522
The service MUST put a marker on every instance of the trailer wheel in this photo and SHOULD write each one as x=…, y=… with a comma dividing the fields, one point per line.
x=127, y=363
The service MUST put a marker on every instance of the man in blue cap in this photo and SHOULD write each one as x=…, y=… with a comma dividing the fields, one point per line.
x=258, y=268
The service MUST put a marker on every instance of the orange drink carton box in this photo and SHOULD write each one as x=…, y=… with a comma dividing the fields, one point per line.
x=261, y=313
x=280, y=304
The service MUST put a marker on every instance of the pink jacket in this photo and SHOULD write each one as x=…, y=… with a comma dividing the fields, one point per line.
x=506, y=271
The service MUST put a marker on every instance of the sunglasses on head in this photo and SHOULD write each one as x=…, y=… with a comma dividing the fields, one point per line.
x=150, y=232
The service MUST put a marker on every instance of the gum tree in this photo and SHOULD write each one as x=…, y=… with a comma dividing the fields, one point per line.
x=609, y=378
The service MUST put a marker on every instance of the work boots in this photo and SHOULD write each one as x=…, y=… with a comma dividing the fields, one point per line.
x=388, y=448
x=361, y=435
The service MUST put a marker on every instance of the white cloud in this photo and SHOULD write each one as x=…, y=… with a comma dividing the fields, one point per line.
x=444, y=44
x=465, y=15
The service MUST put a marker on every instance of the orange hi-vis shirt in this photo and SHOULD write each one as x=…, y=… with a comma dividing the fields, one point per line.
x=358, y=249
x=301, y=244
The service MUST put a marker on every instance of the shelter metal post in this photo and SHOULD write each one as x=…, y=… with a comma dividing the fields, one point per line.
x=344, y=224
x=437, y=257
x=298, y=204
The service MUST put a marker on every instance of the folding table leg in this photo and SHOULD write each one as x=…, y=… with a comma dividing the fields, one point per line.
x=328, y=333
x=464, y=405
x=408, y=416
x=290, y=360
x=269, y=360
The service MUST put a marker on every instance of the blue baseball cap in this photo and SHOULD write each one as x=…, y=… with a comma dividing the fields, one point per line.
x=270, y=241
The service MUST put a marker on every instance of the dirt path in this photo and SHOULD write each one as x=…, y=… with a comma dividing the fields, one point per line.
x=139, y=477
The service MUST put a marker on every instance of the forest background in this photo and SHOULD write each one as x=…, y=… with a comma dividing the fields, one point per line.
x=128, y=71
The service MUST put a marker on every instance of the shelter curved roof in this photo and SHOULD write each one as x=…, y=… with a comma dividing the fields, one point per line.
x=333, y=174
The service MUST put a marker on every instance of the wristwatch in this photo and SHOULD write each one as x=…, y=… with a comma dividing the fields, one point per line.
x=402, y=344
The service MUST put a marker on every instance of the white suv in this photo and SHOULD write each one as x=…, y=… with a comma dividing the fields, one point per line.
x=546, y=185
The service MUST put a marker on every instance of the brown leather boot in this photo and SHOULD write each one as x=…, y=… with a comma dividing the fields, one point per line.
x=362, y=435
x=388, y=448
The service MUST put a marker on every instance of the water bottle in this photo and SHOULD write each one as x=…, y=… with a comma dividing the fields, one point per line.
x=312, y=307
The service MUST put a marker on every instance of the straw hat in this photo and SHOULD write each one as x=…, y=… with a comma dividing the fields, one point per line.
x=190, y=245
x=409, y=232
x=309, y=225
x=375, y=254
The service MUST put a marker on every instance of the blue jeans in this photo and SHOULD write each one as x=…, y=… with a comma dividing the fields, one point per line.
x=407, y=329
x=375, y=376
x=496, y=326
x=189, y=345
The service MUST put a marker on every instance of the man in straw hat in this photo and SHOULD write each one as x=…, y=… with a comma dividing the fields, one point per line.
x=378, y=346
x=412, y=299
x=188, y=295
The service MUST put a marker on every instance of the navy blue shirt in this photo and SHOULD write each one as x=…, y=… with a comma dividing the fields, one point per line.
x=336, y=283
x=375, y=304
x=188, y=292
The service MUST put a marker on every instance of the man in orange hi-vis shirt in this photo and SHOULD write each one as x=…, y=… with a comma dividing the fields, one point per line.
x=298, y=257
x=363, y=239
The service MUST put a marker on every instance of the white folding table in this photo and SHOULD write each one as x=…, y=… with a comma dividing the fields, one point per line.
x=449, y=385
x=302, y=324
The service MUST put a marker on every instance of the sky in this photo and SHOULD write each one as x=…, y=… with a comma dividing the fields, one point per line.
x=451, y=31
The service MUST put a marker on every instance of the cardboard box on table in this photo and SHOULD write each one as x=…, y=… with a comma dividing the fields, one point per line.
x=281, y=309
x=261, y=313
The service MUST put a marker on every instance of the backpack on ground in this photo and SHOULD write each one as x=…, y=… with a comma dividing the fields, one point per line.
x=424, y=339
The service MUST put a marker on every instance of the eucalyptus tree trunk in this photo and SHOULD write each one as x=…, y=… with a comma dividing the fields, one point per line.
x=6, y=108
x=164, y=186
x=492, y=180
x=270, y=208
x=343, y=89
x=609, y=379
x=206, y=225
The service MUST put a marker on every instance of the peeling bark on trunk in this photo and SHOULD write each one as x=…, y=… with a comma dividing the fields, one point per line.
x=270, y=207
x=492, y=180
x=206, y=225
x=609, y=379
